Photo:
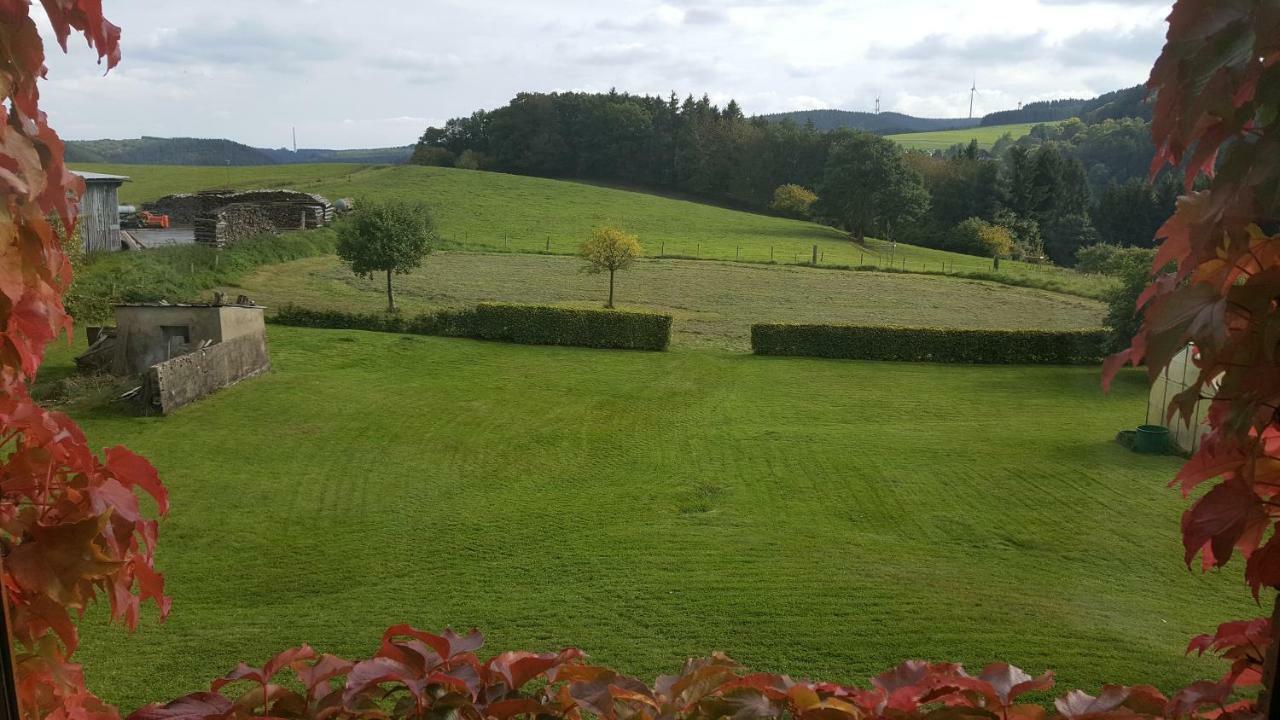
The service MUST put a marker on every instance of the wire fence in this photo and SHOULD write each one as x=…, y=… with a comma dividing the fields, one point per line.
x=828, y=254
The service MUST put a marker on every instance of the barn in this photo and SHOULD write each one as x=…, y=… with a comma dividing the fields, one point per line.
x=100, y=211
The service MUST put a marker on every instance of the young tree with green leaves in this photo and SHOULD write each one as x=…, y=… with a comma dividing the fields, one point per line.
x=391, y=237
x=610, y=250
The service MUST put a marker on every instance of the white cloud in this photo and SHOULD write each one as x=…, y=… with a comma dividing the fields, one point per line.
x=251, y=69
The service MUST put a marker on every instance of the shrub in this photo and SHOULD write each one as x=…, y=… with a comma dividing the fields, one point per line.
x=547, y=325
x=941, y=345
x=793, y=200
x=1105, y=259
x=471, y=160
x=1124, y=317
x=525, y=324
x=180, y=273
x=431, y=155
x=976, y=236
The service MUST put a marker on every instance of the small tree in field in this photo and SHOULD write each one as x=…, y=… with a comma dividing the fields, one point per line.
x=391, y=237
x=610, y=250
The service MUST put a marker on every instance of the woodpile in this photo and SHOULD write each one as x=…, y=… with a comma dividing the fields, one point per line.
x=233, y=223
x=286, y=206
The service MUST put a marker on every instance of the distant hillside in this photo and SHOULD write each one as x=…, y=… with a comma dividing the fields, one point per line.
x=885, y=123
x=165, y=151
x=371, y=156
x=1126, y=103
x=199, y=151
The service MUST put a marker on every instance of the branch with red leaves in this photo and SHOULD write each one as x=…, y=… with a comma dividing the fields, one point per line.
x=416, y=674
x=72, y=528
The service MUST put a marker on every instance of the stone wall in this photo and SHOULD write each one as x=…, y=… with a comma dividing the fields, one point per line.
x=183, y=380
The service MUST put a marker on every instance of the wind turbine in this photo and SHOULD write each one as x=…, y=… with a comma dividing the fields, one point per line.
x=973, y=91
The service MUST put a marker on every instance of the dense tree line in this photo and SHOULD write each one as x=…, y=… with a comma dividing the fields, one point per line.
x=1043, y=196
x=1060, y=188
x=1126, y=103
x=691, y=145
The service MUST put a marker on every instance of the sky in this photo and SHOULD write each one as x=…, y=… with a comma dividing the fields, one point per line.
x=377, y=73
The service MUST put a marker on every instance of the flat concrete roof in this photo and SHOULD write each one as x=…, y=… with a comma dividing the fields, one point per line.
x=100, y=177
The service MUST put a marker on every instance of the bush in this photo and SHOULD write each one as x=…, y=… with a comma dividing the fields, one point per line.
x=976, y=236
x=525, y=324
x=1104, y=259
x=793, y=200
x=941, y=345
x=472, y=160
x=1123, y=317
x=431, y=155
x=180, y=273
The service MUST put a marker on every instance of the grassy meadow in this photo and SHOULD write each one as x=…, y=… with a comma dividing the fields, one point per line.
x=496, y=212
x=820, y=518
x=986, y=136
x=714, y=304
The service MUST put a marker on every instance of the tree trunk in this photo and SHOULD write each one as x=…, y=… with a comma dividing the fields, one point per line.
x=391, y=298
x=610, y=303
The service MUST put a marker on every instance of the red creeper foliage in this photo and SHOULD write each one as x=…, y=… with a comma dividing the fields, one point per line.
x=72, y=528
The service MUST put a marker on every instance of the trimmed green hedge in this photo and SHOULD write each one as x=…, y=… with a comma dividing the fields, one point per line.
x=548, y=325
x=526, y=324
x=940, y=345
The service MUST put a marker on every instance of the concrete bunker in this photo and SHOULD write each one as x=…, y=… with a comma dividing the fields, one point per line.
x=181, y=352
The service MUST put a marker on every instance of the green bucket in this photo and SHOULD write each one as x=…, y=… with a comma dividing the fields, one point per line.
x=1151, y=440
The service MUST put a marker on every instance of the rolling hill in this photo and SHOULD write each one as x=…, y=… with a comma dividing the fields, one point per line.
x=986, y=136
x=885, y=123
x=218, y=152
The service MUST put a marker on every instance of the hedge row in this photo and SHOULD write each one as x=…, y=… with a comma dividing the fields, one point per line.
x=941, y=345
x=526, y=324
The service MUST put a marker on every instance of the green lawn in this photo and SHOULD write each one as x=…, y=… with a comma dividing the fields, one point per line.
x=714, y=303
x=944, y=139
x=820, y=518
x=512, y=213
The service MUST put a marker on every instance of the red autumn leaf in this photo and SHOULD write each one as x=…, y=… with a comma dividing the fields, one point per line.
x=61, y=561
x=1079, y=704
x=197, y=706
x=1010, y=682
x=133, y=470
x=1228, y=516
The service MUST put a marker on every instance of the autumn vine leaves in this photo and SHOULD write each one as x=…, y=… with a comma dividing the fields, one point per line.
x=76, y=527
x=72, y=527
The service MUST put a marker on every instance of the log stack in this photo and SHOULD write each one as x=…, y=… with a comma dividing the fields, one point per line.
x=234, y=223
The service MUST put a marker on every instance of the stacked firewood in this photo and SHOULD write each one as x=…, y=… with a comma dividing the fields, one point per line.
x=234, y=223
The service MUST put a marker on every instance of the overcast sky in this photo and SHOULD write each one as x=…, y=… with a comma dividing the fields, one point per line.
x=376, y=73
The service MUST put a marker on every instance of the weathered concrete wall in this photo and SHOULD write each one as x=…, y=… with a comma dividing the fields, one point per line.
x=183, y=380
x=140, y=331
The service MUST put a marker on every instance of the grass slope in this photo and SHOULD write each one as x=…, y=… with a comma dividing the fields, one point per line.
x=943, y=139
x=820, y=518
x=714, y=303
x=498, y=212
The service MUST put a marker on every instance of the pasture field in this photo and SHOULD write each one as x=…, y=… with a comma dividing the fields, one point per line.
x=944, y=139
x=819, y=518
x=511, y=213
x=713, y=303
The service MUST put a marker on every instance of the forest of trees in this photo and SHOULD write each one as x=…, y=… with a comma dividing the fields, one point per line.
x=1115, y=105
x=1059, y=188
